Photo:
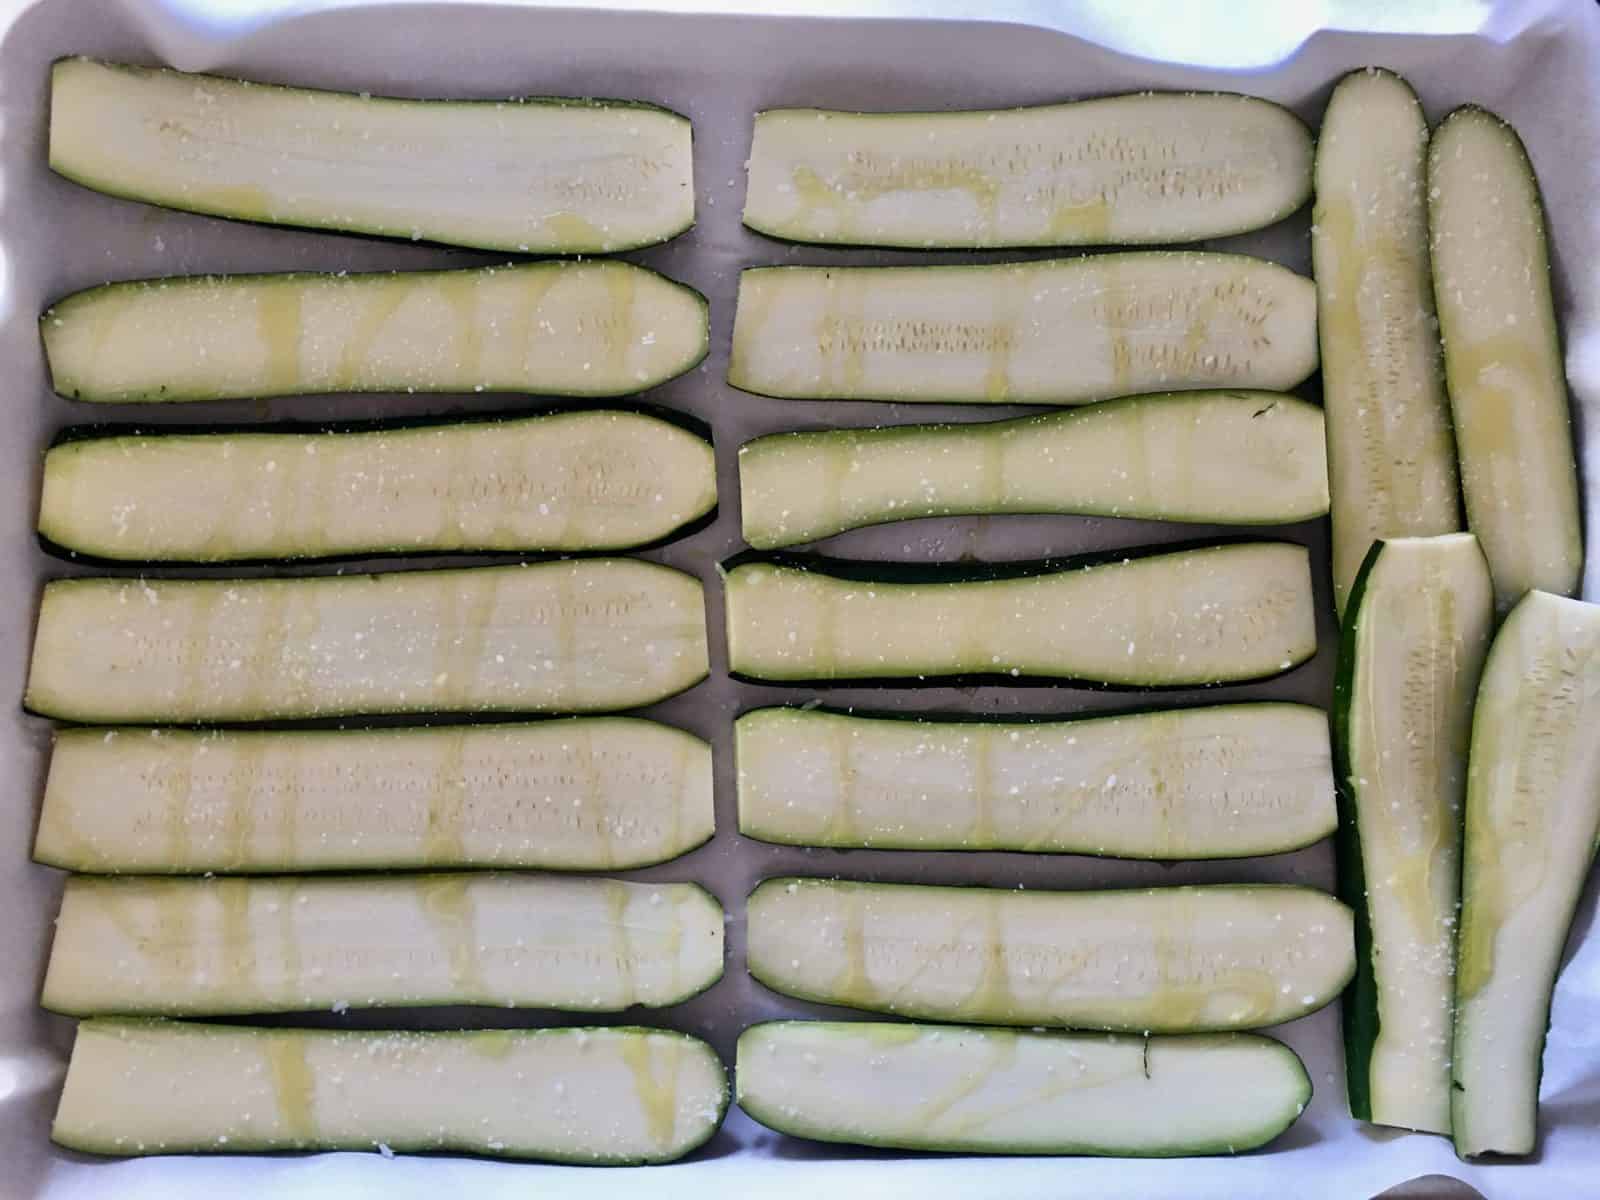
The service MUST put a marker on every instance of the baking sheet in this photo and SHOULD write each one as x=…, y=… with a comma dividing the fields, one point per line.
x=1538, y=63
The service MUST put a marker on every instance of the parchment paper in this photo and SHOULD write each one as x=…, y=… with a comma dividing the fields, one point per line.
x=1538, y=63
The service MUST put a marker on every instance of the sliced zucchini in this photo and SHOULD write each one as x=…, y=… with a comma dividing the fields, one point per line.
x=595, y=480
x=1063, y=331
x=1533, y=815
x=561, y=328
x=1000, y=1091
x=619, y=1095
x=1415, y=633
x=601, y=793
x=546, y=176
x=193, y=947
x=1220, y=782
x=1155, y=618
x=1390, y=450
x=581, y=636
x=1502, y=356
x=1118, y=170
x=1160, y=960
x=1247, y=458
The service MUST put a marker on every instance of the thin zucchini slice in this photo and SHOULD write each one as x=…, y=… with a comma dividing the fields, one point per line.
x=560, y=328
x=609, y=1095
x=541, y=176
x=1533, y=815
x=582, y=636
x=1391, y=454
x=1001, y=1091
x=1160, y=960
x=1415, y=633
x=1502, y=356
x=1151, y=167
x=1156, y=618
x=1062, y=331
x=591, y=794
x=1220, y=782
x=593, y=480
x=1243, y=458
x=194, y=947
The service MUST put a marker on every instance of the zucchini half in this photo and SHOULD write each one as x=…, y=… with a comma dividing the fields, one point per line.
x=1054, y=331
x=557, y=328
x=1001, y=1091
x=1116, y=170
x=611, y=1095
x=540, y=176
x=1157, y=960
x=199, y=947
x=1163, y=617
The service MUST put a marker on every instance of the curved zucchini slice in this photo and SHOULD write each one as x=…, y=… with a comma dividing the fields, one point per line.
x=557, y=328
x=590, y=794
x=1061, y=331
x=1157, y=618
x=1391, y=455
x=1502, y=356
x=583, y=636
x=1118, y=170
x=540, y=176
x=1533, y=816
x=1220, y=782
x=1000, y=1091
x=1415, y=633
x=1242, y=458
x=196, y=947
x=1160, y=960
x=569, y=481
x=609, y=1095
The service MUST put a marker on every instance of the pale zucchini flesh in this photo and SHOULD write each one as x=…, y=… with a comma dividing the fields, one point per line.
x=1160, y=960
x=590, y=794
x=1185, y=617
x=1533, y=816
x=1218, y=782
x=1118, y=170
x=587, y=635
x=198, y=947
x=1247, y=458
x=1391, y=454
x=596, y=480
x=1415, y=634
x=1065, y=331
x=541, y=176
x=557, y=328
x=606, y=1095
x=1502, y=356
x=1001, y=1091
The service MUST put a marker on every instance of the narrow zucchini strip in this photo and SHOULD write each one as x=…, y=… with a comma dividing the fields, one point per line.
x=1160, y=960
x=1391, y=454
x=1415, y=633
x=195, y=947
x=1119, y=170
x=1218, y=782
x=1062, y=331
x=542, y=176
x=1533, y=815
x=583, y=636
x=594, y=480
x=1160, y=618
x=1246, y=458
x=1502, y=356
x=591, y=794
x=616, y=1095
x=560, y=328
